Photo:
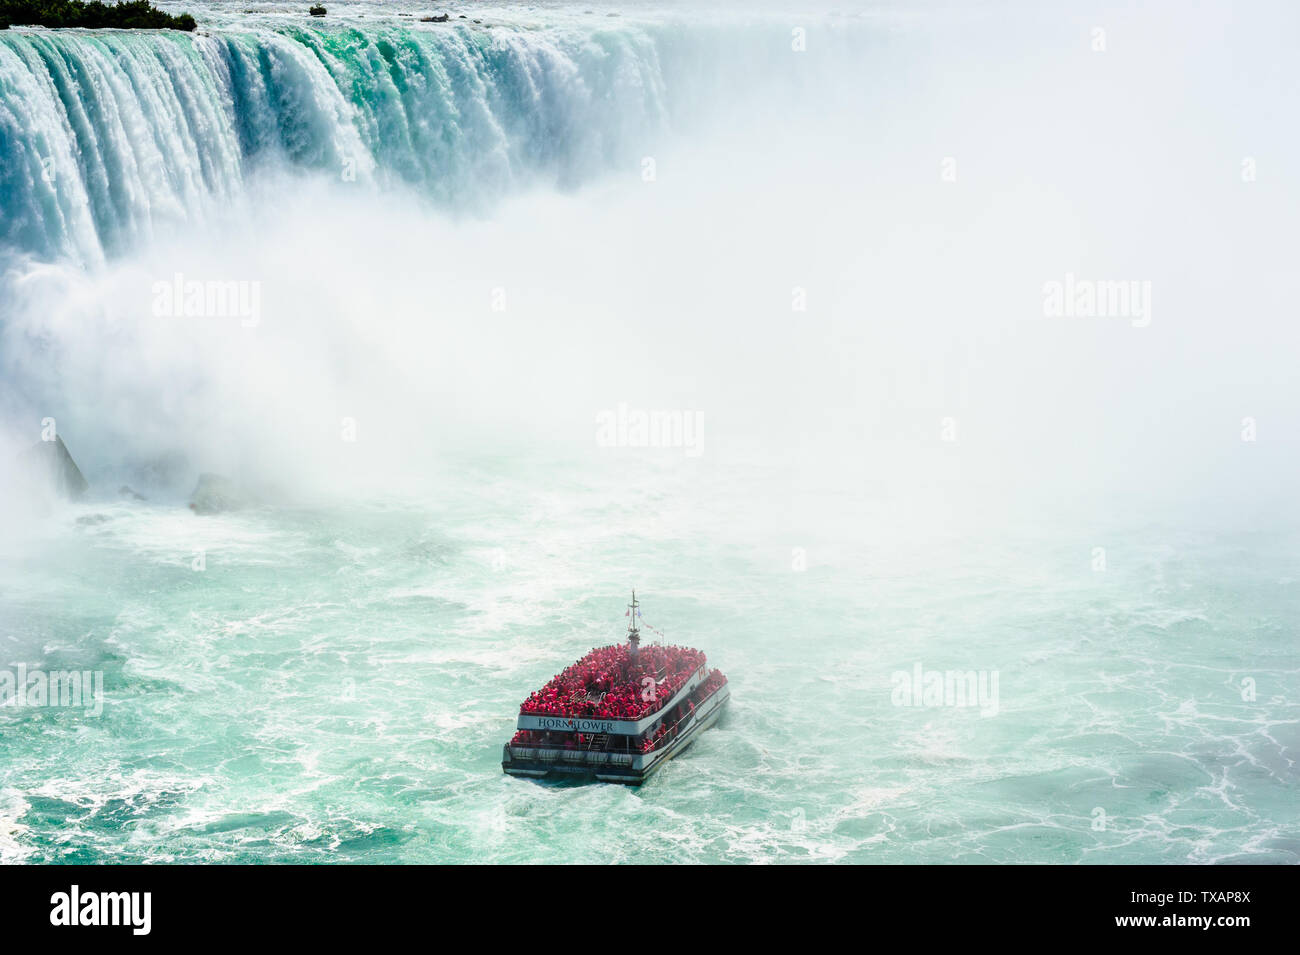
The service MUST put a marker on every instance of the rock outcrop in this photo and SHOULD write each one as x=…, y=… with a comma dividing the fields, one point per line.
x=215, y=494
x=50, y=466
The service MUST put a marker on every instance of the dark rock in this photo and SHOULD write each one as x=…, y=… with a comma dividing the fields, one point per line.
x=215, y=494
x=52, y=467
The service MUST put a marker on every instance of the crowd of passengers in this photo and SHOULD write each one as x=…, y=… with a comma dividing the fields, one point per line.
x=608, y=684
x=651, y=740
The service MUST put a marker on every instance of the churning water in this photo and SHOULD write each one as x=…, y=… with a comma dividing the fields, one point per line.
x=444, y=271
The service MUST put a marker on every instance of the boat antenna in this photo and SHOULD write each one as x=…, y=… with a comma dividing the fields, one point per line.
x=633, y=631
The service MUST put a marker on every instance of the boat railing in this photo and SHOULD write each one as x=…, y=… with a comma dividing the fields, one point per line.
x=683, y=722
x=587, y=754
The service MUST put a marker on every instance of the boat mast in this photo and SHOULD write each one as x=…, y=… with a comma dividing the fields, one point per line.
x=633, y=631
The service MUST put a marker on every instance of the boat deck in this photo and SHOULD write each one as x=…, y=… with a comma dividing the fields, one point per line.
x=555, y=762
x=618, y=713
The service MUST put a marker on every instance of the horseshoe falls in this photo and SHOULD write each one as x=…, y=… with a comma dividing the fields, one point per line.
x=106, y=137
x=886, y=349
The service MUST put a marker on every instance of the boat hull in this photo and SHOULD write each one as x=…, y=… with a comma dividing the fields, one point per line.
x=577, y=765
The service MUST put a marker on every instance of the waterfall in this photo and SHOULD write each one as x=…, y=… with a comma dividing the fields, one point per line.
x=379, y=188
x=106, y=136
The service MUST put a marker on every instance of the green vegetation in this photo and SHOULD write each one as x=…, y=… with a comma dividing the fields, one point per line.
x=132, y=15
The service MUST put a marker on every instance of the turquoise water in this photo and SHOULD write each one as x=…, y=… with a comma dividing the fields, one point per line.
x=918, y=472
x=336, y=684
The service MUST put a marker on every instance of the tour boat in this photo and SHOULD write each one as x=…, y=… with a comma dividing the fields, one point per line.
x=617, y=714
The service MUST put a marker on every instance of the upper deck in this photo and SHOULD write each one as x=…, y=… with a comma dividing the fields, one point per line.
x=615, y=689
x=590, y=724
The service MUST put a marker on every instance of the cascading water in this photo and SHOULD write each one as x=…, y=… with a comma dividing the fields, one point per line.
x=105, y=136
